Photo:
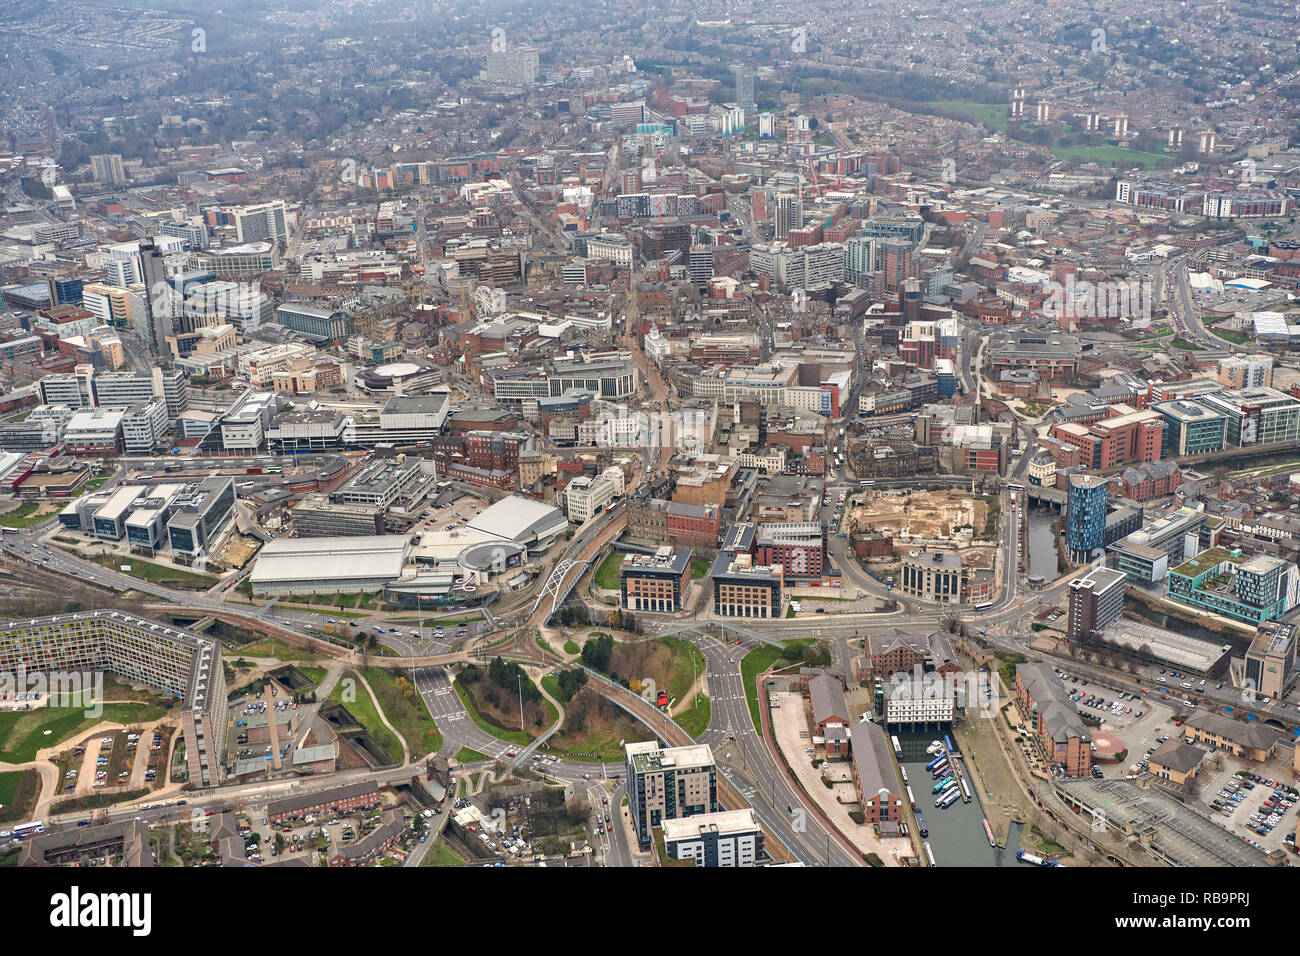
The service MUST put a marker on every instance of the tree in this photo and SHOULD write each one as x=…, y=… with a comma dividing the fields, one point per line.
x=597, y=652
x=404, y=687
x=570, y=682
x=817, y=654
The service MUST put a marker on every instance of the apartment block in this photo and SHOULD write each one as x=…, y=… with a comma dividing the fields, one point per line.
x=668, y=784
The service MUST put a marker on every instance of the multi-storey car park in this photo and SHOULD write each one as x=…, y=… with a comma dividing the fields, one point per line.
x=176, y=661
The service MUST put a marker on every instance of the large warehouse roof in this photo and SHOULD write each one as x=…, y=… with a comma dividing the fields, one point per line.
x=520, y=519
x=329, y=559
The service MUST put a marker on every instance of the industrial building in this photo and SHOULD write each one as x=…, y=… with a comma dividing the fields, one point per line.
x=526, y=521
x=1167, y=648
x=329, y=565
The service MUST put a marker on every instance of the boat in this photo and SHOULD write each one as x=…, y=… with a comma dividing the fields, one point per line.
x=965, y=790
x=942, y=785
x=948, y=799
x=1026, y=857
x=930, y=853
x=988, y=831
x=920, y=825
x=903, y=771
x=934, y=747
x=935, y=762
x=911, y=798
x=940, y=771
x=898, y=748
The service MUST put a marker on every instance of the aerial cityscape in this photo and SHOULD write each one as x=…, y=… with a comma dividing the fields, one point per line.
x=565, y=434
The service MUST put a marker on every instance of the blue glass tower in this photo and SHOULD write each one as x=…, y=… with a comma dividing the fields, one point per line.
x=1085, y=519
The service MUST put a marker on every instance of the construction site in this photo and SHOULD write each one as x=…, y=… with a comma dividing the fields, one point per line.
x=918, y=517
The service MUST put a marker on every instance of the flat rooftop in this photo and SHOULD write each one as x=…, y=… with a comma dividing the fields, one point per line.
x=651, y=757
x=1206, y=561
x=722, y=823
x=1178, y=832
x=1171, y=647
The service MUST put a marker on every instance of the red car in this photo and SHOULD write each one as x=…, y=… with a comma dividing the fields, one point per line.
x=510, y=753
x=609, y=828
x=210, y=813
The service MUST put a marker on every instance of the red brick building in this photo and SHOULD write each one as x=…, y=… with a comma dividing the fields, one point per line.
x=354, y=796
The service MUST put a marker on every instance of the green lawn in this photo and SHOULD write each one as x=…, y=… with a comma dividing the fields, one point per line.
x=1105, y=155
x=991, y=114
x=1182, y=343
x=275, y=647
x=1230, y=335
x=699, y=567
x=609, y=574
x=996, y=116
x=313, y=674
x=603, y=744
x=22, y=733
x=510, y=736
x=571, y=648
x=157, y=573
x=751, y=665
x=552, y=687
x=24, y=516
x=363, y=709
x=681, y=673
x=18, y=792
x=467, y=755
x=410, y=715
x=695, y=719
x=442, y=855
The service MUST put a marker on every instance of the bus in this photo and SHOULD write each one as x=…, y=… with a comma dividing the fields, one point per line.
x=984, y=607
x=25, y=830
x=274, y=469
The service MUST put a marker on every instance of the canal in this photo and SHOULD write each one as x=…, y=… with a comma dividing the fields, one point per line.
x=956, y=833
x=1042, y=543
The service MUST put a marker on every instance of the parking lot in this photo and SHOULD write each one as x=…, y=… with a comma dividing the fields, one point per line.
x=238, y=736
x=449, y=516
x=1136, y=719
x=1250, y=805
